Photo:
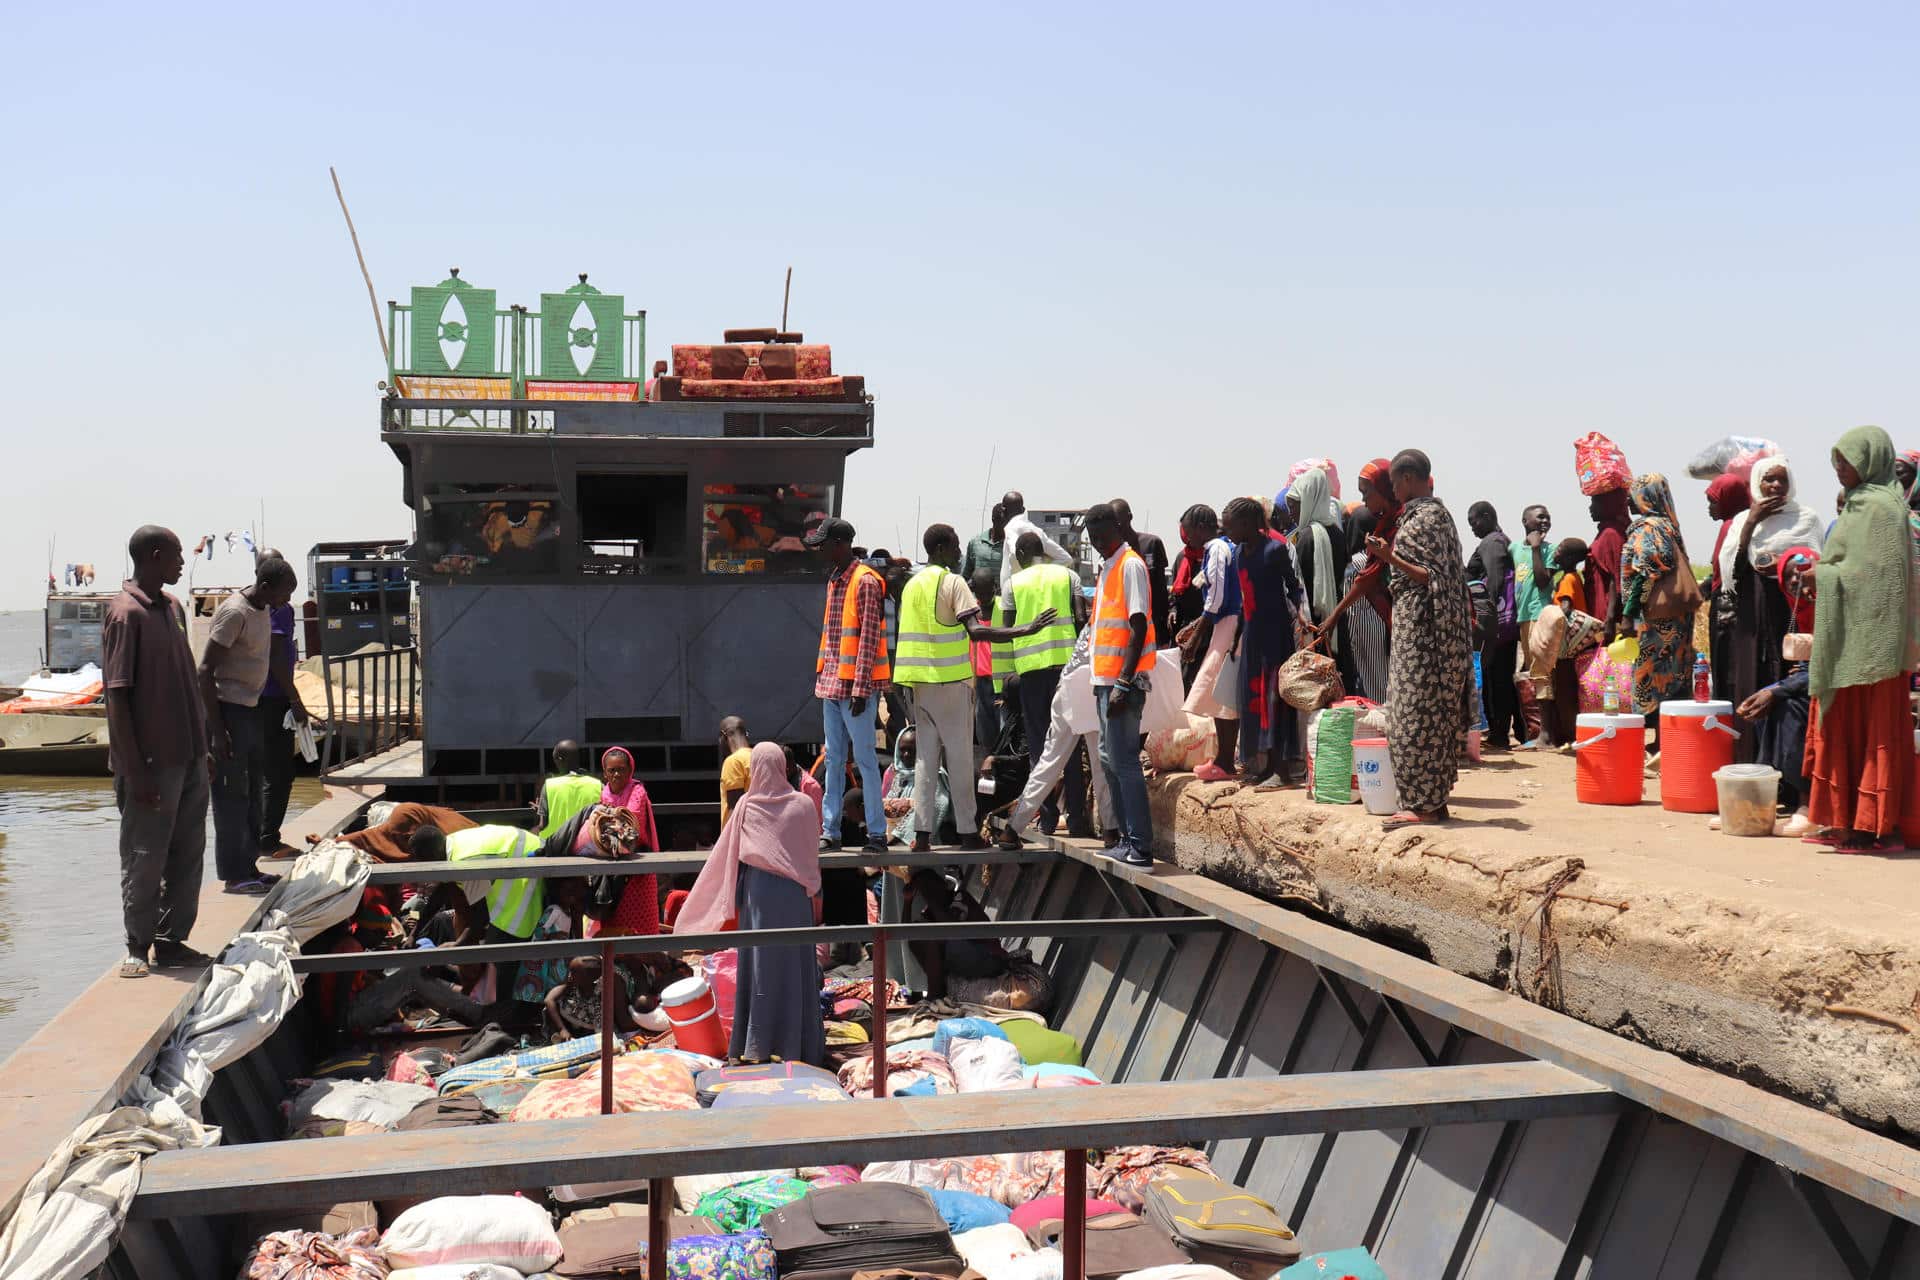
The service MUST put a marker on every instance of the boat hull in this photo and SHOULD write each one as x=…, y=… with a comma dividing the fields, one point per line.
x=72, y=744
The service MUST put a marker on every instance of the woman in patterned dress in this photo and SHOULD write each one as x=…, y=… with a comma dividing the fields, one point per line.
x=1430, y=663
x=1655, y=550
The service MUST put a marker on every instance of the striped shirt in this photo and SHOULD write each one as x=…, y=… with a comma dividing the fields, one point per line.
x=873, y=617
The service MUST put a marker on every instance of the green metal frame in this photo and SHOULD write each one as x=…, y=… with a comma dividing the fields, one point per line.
x=519, y=344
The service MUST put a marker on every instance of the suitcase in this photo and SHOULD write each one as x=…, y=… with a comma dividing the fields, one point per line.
x=835, y=1231
x=1221, y=1225
x=712, y=1083
x=613, y=1241
x=1117, y=1243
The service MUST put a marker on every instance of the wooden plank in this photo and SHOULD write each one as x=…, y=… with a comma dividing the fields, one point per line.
x=85, y=1059
x=285, y=1175
x=1855, y=1161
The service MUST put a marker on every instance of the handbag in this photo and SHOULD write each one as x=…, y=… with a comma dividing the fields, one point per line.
x=1308, y=680
x=1675, y=594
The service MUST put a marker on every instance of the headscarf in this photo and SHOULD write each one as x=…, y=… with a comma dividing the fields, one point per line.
x=772, y=827
x=632, y=798
x=1728, y=494
x=1314, y=537
x=1379, y=478
x=1654, y=548
x=1864, y=580
x=1802, y=606
x=1794, y=525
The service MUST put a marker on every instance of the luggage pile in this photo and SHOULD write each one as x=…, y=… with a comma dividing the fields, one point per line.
x=757, y=364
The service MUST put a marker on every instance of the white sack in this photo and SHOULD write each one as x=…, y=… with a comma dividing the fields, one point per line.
x=508, y=1231
x=985, y=1065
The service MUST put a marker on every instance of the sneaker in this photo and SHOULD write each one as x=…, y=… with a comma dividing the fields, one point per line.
x=972, y=843
x=874, y=846
x=829, y=846
x=922, y=842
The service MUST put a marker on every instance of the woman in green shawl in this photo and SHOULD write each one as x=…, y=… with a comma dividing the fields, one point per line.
x=1860, y=735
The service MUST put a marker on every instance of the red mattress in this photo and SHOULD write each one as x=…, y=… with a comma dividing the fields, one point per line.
x=835, y=388
x=753, y=361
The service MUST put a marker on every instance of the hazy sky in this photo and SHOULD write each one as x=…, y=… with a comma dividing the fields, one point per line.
x=1154, y=251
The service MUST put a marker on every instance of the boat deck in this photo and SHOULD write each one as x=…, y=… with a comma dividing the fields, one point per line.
x=396, y=765
x=83, y=1061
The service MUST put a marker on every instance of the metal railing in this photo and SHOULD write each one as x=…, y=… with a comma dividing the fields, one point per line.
x=373, y=704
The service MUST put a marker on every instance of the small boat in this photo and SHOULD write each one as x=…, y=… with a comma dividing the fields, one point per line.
x=71, y=742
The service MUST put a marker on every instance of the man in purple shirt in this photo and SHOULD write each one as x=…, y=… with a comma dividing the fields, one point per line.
x=157, y=747
x=277, y=699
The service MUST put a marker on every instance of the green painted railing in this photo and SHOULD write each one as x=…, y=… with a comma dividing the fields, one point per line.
x=455, y=330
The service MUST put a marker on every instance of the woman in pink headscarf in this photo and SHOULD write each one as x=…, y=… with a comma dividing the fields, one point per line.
x=638, y=909
x=764, y=873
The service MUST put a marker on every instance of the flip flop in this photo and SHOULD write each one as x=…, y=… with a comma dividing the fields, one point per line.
x=251, y=888
x=1825, y=839
x=1408, y=818
x=1884, y=845
x=133, y=967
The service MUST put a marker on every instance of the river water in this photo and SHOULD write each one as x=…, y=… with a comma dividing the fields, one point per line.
x=59, y=871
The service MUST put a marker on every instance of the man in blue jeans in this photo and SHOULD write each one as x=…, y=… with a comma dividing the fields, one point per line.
x=852, y=671
x=1123, y=657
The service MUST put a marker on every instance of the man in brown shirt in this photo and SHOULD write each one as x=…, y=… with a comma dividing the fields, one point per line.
x=157, y=747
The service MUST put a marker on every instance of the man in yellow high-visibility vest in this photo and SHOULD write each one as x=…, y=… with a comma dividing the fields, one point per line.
x=939, y=620
x=1037, y=587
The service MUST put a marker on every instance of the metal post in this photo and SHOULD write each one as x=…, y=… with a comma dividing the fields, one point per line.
x=659, y=1211
x=880, y=1011
x=606, y=1032
x=1073, y=1233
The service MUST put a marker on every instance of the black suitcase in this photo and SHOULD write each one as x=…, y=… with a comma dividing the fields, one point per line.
x=832, y=1232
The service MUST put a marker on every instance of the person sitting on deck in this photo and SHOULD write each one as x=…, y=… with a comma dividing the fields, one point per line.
x=933, y=898
x=389, y=839
x=572, y=1008
x=567, y=792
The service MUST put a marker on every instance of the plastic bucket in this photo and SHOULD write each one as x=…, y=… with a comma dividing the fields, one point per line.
x=1373, y=766
x=1696, y=738
x=1910, y=812
x=696, y=1023
x=1610, y=758
x=1746, y=797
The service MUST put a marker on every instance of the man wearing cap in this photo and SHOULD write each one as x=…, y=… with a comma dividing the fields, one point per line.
x=850, y=672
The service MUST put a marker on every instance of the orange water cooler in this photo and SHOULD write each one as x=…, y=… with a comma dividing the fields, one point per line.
x=1696, y=738
x=1610, y=758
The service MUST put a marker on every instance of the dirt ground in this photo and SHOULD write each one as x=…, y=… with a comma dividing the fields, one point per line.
x=1788, y=964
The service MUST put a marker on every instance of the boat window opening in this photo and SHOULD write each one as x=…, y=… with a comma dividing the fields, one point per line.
x=757, y=528
x=632, y=524
x=492, y=530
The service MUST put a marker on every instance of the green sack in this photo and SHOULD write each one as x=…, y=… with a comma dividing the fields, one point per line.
x=1333, y=757
x=738, y=1207
x=1037, y=1044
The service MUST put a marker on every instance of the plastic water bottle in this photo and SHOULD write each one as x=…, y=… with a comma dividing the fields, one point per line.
x=1610, y=695
x=1702, y=679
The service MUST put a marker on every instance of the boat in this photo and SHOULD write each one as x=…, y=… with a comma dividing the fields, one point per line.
x=1371, y=1097
x=70, y=741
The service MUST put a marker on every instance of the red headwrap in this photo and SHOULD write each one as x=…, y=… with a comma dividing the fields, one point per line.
x=1730, y=494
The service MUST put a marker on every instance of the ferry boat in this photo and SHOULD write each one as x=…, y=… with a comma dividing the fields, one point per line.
x=608, y=563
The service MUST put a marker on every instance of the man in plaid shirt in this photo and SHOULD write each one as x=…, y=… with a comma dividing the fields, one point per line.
x=849, y=684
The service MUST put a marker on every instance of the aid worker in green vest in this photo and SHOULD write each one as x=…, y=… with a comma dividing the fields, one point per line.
x=1039, y=587
x=514, y=904
x=939, y=618
x=568, y=792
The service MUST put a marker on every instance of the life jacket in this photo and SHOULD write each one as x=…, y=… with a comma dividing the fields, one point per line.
x=929, y=652
x=1111, y=629
x=565, y=796
x=850, y=628
x=1036, y=589
x=513, y=905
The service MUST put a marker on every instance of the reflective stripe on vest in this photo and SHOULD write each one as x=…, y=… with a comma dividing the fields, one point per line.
x=1036, y=589
x=1112, y=632
x=850, y=628
x=928, y=652
x=513, y=905
x=1002, y=664
x=565, y=797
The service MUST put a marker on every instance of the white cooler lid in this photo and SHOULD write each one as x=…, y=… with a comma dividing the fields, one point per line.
x=1698, y=709
x=1601, y=720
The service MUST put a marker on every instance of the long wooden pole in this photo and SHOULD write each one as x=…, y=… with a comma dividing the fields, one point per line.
x=786, y=295
x=373, y=299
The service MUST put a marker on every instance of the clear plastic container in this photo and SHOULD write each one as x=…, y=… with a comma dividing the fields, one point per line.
x=1748, y=796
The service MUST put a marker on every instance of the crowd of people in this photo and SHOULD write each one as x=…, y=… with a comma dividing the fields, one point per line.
x=1014, y=695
